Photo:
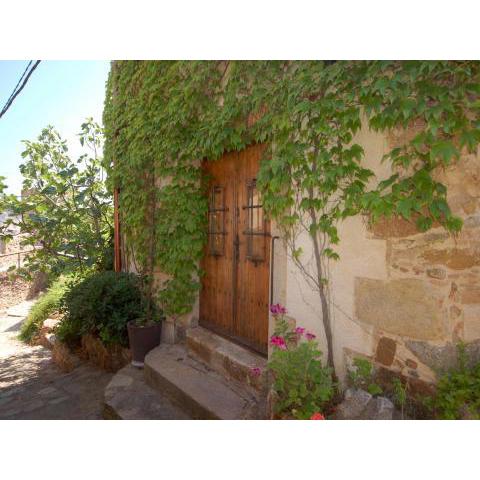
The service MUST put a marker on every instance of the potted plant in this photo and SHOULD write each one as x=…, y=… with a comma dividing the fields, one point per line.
x=144, y=332
x=143, y=336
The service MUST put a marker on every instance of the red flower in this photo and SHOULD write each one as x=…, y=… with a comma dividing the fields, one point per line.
x=278, y=341
x=310, y=336
x=256, y=372
x=317, y=416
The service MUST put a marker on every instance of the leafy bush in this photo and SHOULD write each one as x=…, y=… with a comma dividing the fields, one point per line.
x=303, y=386
x=362, y=376
x=458, y=391
x=47, y=304
x=101, y=305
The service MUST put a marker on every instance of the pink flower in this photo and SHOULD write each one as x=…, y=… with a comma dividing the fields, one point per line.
x=278, y=341
x=277, y=309
x=310, y=336
x=317, y=416
x=256, y=372
x=299, y=330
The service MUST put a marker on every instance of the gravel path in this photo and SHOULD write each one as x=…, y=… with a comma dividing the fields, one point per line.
x=33, y=387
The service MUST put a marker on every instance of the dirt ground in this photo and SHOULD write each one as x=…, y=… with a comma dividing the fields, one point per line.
x=12, y=291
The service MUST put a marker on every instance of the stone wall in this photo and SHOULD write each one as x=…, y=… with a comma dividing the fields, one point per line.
x=431, y=299
x=401, y=298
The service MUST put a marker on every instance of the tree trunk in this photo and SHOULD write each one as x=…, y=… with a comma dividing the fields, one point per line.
x=321, y=291
x=323, y=300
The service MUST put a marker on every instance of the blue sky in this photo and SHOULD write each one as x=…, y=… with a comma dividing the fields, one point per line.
x=58, y=93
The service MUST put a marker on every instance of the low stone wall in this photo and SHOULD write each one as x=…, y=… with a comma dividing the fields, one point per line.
x=110, y=358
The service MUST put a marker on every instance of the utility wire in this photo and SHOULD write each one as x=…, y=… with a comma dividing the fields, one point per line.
x=17, y=90
x=21, y=78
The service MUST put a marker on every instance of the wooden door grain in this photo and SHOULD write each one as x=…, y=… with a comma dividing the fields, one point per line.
x=236, y=264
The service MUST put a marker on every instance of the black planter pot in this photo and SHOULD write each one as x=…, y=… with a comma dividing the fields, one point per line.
x=142, y=339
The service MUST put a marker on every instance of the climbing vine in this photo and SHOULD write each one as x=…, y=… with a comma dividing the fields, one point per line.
x=163, y=118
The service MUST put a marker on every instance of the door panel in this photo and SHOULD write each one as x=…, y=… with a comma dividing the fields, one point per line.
x=216, y=305
x=235, y=287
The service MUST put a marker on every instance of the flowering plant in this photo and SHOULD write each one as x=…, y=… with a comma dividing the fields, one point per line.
x=302, y=385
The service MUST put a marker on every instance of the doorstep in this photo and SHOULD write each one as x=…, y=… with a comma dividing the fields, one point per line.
x=198, y=390
x=230, y=360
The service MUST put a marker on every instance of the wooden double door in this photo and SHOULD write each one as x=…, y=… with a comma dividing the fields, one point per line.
x=234, y=296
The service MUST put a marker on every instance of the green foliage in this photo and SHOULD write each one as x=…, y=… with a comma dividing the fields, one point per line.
x=106, y=256
x=162, y=118
x=102, y=305
x=5, y=201
x=47, y=304
x=362, y=376
x=400, y=394
x=302, y=385
x=458, y=391
x=65, y=212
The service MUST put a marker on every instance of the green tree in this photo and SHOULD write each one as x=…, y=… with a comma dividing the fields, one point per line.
x=65, y=211
x=4, y=201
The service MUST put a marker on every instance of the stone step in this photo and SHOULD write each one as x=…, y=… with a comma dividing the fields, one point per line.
x=228, y=359
x=200, y=392
x=128, y=397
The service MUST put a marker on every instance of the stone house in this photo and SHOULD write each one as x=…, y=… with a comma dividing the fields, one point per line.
x=400, y=298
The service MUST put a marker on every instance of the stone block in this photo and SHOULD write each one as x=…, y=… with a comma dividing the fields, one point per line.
x=378, y=408
x=394, y=227
x=470, y=294
x=454, y=258
x=404, y=307
x=50, y=323
x=441, y=358
x=386, y=349
x=356, y=400
x=471, y=324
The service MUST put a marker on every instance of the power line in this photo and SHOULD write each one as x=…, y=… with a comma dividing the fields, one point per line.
x=17, y=90
x=21, y=78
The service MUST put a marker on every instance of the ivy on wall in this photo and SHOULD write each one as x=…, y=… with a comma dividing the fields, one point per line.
x=162, y=118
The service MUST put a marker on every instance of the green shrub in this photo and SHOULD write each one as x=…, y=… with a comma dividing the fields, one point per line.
x=362, y=376
x=101, y=305
x=47, y=304
x=302, y=385
x=458, y=391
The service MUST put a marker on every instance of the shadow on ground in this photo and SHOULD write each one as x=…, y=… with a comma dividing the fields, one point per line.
x=33, y=387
